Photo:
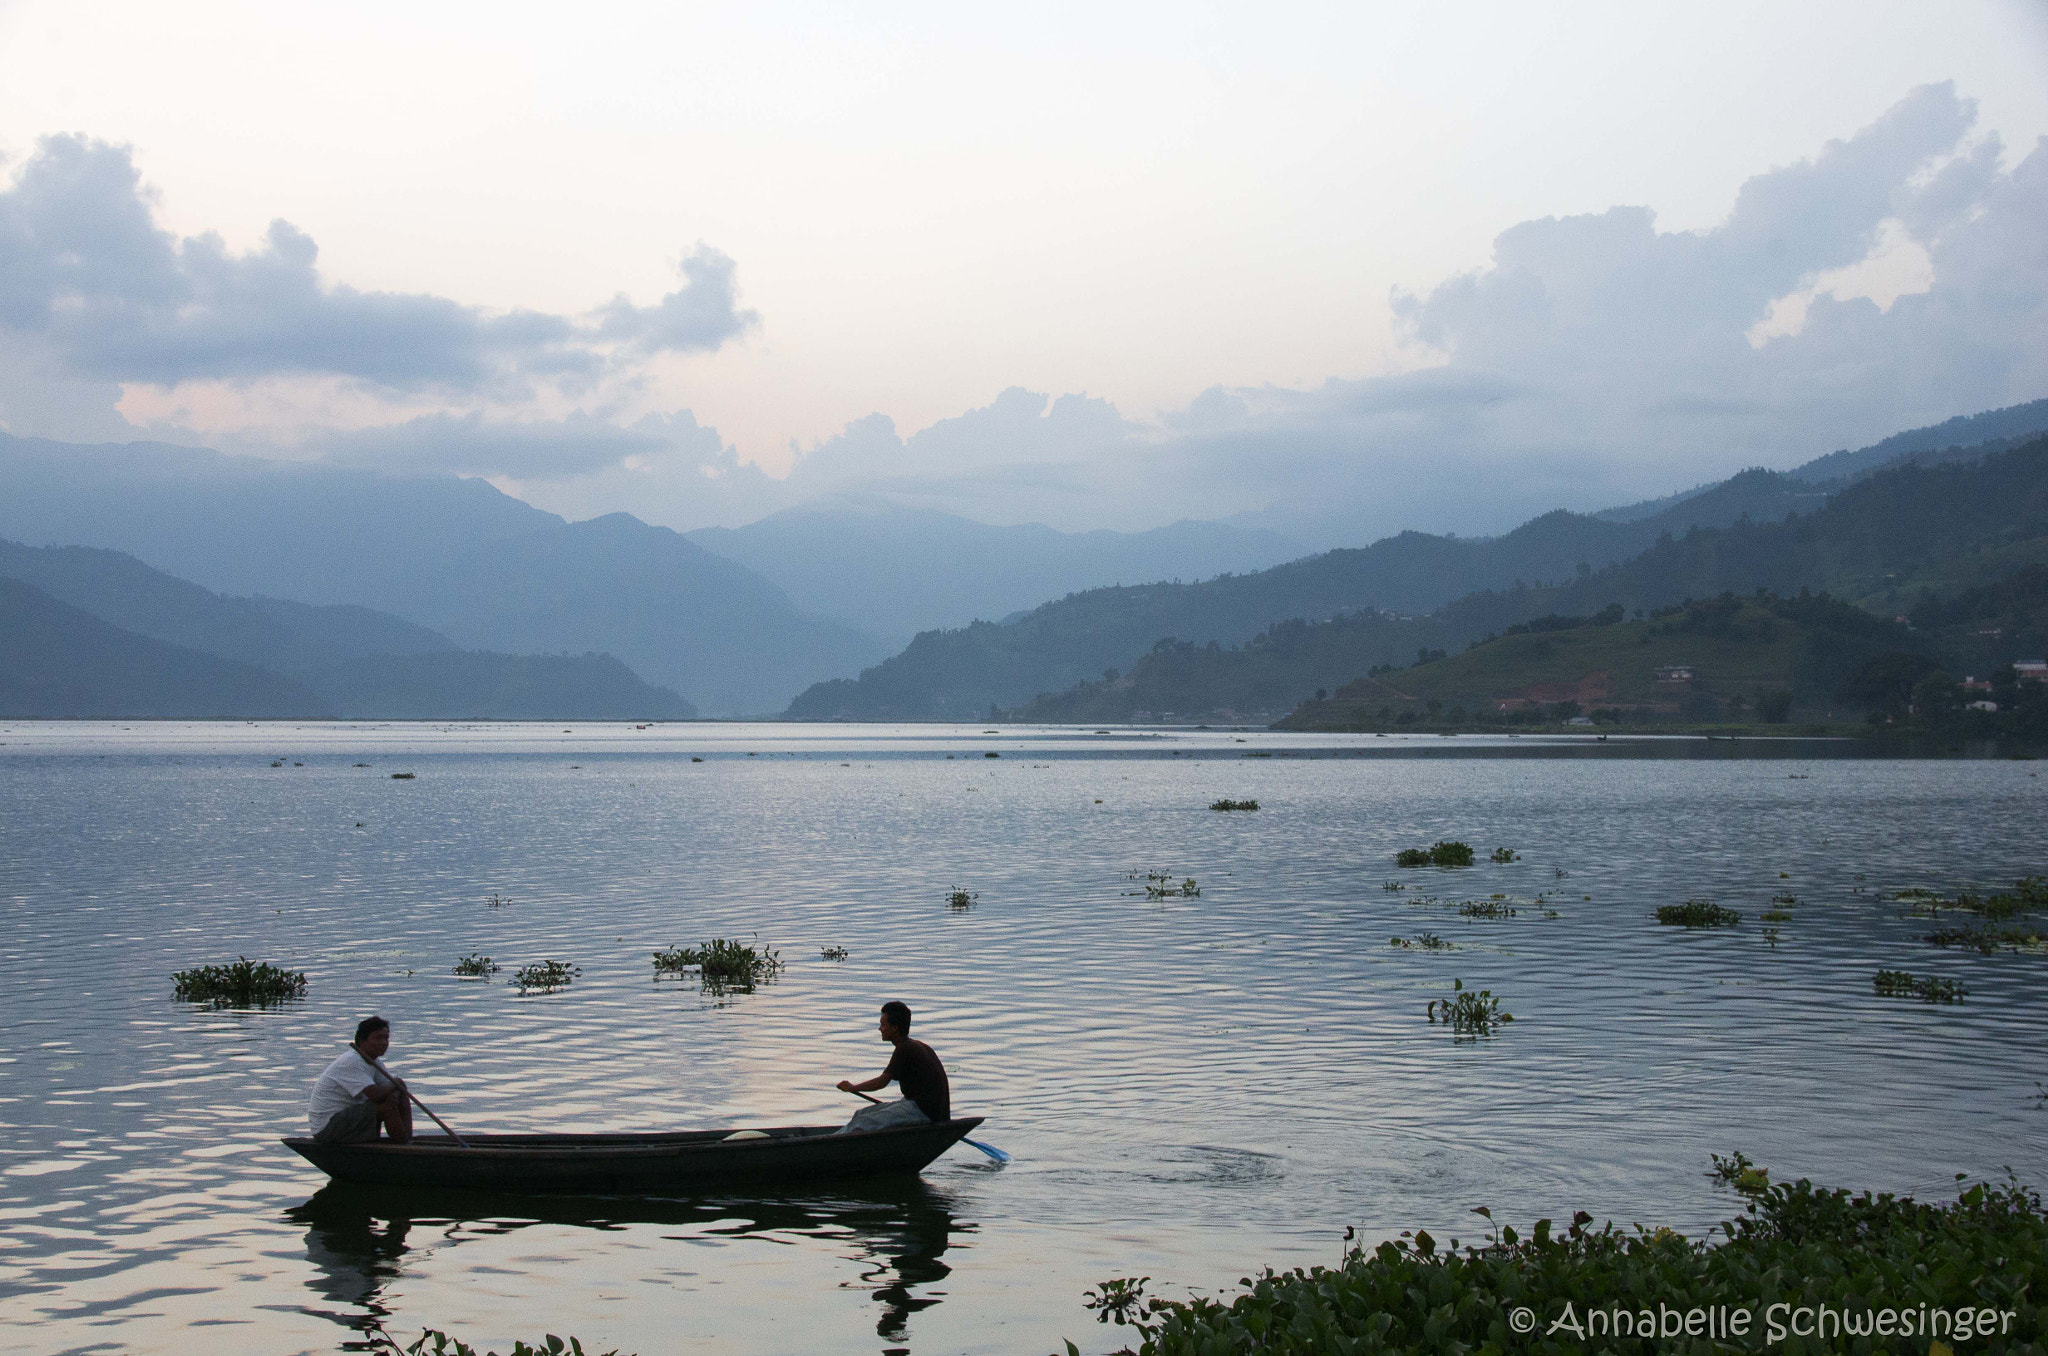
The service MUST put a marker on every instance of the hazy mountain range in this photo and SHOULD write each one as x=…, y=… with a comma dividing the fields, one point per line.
x=431, y=595
x=131, y=641
x=964, y=673
x=1969, y=532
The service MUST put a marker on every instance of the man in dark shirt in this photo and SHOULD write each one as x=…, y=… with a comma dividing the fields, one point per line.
x=914, y=1069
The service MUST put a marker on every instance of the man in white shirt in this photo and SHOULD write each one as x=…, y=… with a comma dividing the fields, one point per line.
x=355, y=1094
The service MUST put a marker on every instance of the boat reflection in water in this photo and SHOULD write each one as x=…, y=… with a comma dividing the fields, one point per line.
x=358, y=1239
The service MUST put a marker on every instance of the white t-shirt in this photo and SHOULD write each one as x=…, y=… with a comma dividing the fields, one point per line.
x=341, y=1085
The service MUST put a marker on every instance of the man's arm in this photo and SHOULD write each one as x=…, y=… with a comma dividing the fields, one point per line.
x=380, y=1092
x=880, y=1080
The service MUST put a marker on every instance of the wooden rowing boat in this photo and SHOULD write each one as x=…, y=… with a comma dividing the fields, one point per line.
x=623, y=1164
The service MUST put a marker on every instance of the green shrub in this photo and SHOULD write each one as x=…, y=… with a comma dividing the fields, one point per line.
x=1506, y=855
x=241, y=983
x=1797, y=1245
x=474, y=966
x=1698, y=913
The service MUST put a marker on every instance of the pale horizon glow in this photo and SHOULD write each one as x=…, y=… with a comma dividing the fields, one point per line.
x=927, y=207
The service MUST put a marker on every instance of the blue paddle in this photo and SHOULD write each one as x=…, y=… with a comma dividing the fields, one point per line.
x=991, y=1150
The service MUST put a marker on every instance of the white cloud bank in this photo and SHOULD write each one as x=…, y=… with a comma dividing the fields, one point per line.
x=1595, y=359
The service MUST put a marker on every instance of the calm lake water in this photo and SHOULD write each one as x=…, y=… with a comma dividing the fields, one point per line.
x=1192, y=1088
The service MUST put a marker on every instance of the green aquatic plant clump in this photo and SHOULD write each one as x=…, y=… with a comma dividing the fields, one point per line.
x=544, y=976
x=1926, y=988
x=474, y=966
x=242, y=983
x=1234, y=805
x=1439, y=853
x=959, y=899
x=1988, y=940
x=1486, y=908
x=1161, y=885
x=1970, y=1272
x=723, y=964
x=1503, y=856
x=1469, y=1012
x=1427, y=941
x=1697, y=913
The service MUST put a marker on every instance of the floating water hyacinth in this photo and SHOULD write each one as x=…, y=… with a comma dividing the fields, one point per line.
x=241, y=983
x=544, y=976
x=724, y=964
x=1469, y=1012
x=1697, y=913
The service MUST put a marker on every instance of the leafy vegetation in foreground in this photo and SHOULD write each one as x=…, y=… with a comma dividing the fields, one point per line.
x=242, y=983
x=544, y=976
x=1439, y=853
x=1926, y=988
x=1698, y=913
x=1796, y=1245
x=723, y=964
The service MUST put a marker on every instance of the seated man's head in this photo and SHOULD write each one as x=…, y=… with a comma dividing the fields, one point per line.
x=373, y=1037
x=895, y=1020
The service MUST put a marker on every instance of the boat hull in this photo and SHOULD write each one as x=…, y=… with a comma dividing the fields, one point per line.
x=629, y=1164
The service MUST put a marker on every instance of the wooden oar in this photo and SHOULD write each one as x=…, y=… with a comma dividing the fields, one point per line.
x=991, y=1150
x=448, y=1129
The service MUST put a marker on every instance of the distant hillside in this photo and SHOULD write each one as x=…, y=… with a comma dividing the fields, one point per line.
x=681, y=616
x=1909, y=536
x=1560, y=562
x=294, y=638
x=1761, y=655
x=454, y=555
x=1975, y=434
x=58, y=662
x=348, y=661
x=896, y=571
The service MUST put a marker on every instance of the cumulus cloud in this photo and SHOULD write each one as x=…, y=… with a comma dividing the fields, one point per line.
x=697, y=317
x=86, y=269
x=1893, y=279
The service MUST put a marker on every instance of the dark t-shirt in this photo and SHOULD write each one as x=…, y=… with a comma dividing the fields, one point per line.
x=918, y=1072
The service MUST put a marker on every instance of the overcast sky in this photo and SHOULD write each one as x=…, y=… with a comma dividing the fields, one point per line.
x=1351, y=267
